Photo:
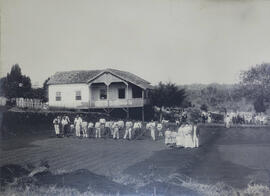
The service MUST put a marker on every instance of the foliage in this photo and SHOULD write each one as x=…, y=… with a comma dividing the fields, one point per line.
x=194, y=115
x=2, y=86
x=16, y=84
x=255, y=84
x=216, y=97
x=259, y=105
x=45, y=90
x=204, y=107
x=167, y=95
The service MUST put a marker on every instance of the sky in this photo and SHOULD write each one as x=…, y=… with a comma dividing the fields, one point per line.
x=180, y=41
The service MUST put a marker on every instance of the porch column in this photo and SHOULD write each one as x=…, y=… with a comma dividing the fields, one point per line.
x=143, y=114
x=90, y=95
x=143, y=105
x=127, y=93
x=143, y=97
x=108, y=93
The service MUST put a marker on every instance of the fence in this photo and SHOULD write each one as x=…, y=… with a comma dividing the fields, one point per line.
x=3, y=101
x=30, y=103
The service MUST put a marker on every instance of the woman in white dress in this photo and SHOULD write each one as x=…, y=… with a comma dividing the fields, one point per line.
x=168, y=136
x=195, y=136
x=173, y=138
x=188, y=136
x=77, y=124
x=227, y=121
x=180, y=138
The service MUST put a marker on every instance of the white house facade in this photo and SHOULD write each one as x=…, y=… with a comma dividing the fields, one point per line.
x=92, y=89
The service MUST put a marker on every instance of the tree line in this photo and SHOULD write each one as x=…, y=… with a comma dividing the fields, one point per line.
x=251, y=93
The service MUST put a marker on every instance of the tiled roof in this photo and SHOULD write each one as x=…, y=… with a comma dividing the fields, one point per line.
x=85, y=76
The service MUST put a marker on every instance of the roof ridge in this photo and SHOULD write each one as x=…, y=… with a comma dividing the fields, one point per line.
x=84, y=76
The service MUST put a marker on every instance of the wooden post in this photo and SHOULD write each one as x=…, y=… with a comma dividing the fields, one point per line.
x=90, y=95
x=127, y=113
x=143, y=114
x=127, y=94
x=107, y=94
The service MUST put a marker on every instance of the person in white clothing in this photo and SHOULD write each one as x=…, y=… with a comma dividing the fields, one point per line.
x=116, y=131
x=84, y=129
x=78, y=124
x=102, y=120
x=56, y=124
x=128, y=130
x=108, y=128
x=168, y=136
x=153, y=130
x=137, y=128
x=173, y=138
x=227, y=121
x=180, y=138
x=195, y=134
x=188, y=136
x=159, y=129
x=90, y=129
x=98, y=129
x=64, y=124
x=209, y=119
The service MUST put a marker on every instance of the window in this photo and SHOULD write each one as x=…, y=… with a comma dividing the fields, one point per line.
x=103, y=94
x=58, y=96
x=136, y=92
x=78, y=95
x=121, y=93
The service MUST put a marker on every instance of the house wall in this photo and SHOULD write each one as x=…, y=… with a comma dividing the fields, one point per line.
x=107, y=78
x=68, y=95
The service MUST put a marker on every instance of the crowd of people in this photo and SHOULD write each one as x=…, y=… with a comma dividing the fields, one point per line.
x=245, y=118
x=236, y=118
x=102, y=128
x=184, y=135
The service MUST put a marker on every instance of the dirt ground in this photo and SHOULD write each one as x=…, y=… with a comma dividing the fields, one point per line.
x=236, y=156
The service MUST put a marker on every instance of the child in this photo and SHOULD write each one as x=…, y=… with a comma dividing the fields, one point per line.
x=168, y=137
x=159, y=128
x=90, y=129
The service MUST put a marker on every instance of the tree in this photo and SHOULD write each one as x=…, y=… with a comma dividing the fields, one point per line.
x=16, y=84
x=204, y=107
x=259, y=105
x=255, y=84
x=45, y=89
x=167, y=95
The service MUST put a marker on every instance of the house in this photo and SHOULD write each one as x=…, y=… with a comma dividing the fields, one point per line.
x=98, y=89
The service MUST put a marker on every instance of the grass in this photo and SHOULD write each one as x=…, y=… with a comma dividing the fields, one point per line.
x=218, y=189
x=122, y=162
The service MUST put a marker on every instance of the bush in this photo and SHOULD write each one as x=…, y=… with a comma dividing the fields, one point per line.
x=204, y=107
x=20, y=121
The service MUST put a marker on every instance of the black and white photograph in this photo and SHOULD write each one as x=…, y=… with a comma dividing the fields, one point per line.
x=135, y=98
